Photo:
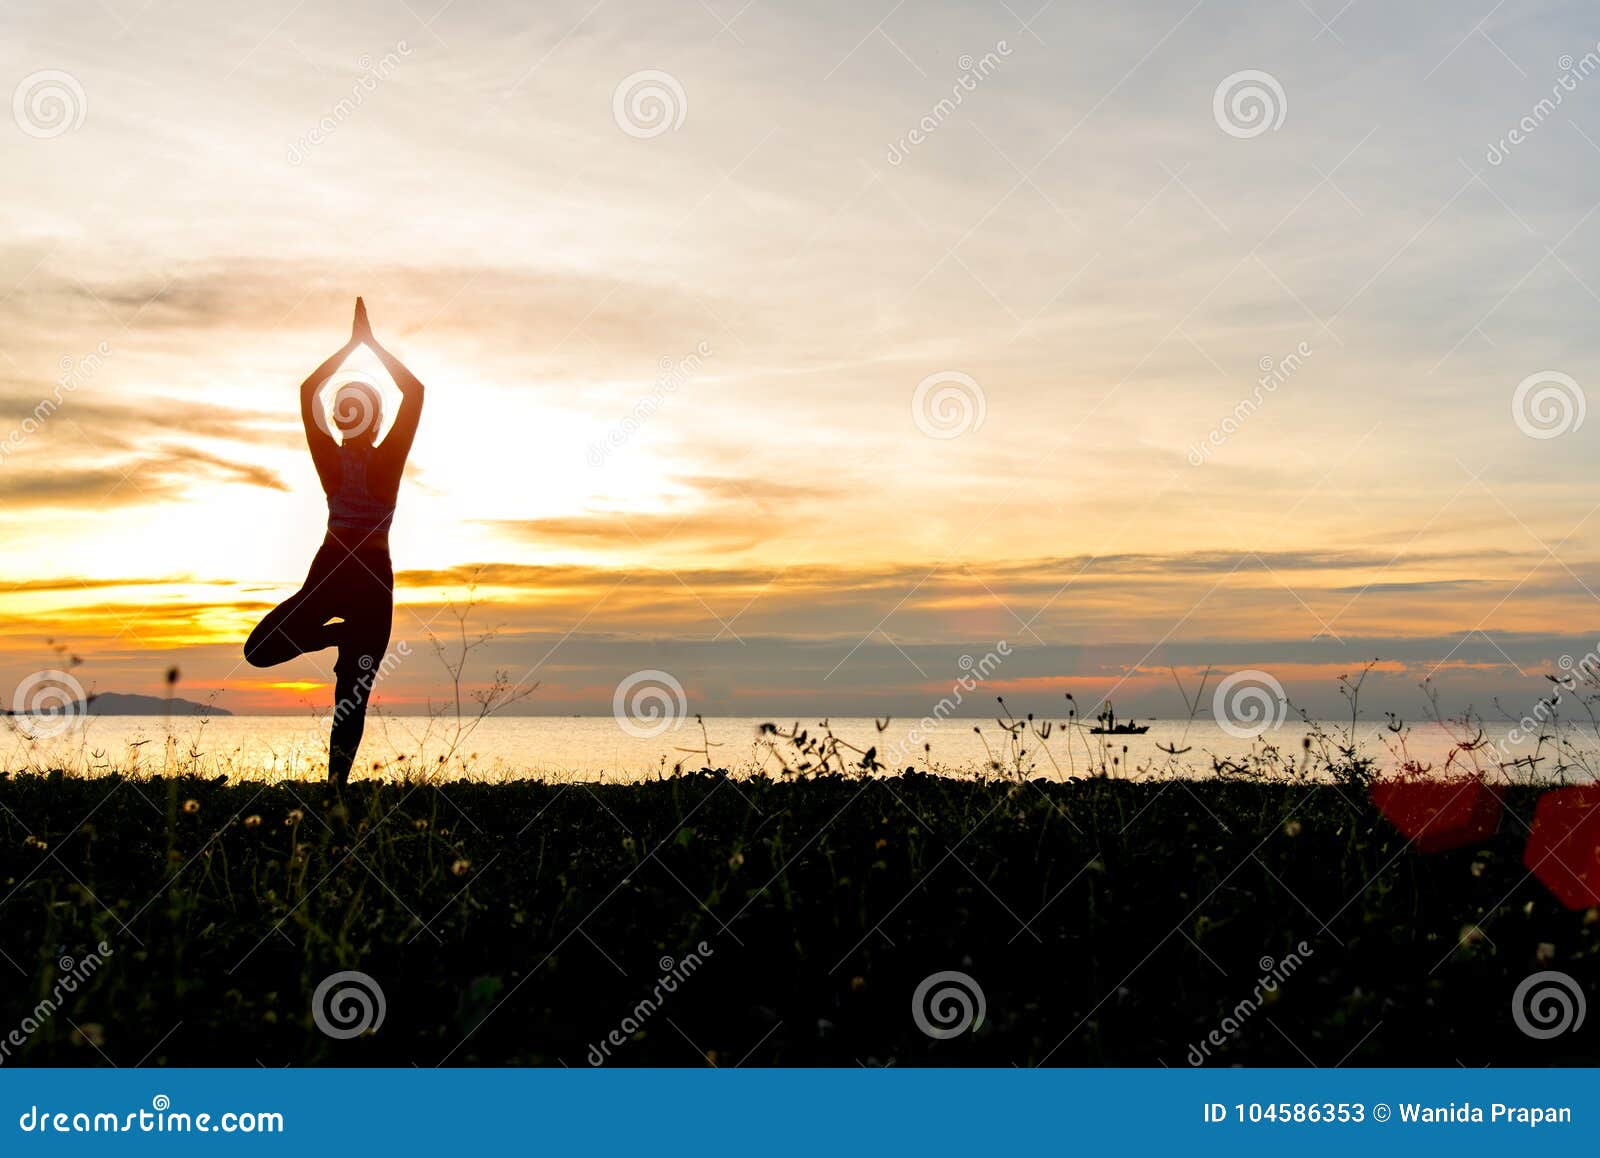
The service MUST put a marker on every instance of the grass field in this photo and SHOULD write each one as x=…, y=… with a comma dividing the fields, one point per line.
x=1103, y=922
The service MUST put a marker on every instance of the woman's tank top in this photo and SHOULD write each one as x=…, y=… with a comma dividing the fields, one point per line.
x=354, y=511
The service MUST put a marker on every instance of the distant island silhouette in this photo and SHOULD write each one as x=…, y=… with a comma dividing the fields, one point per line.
x=130, y=704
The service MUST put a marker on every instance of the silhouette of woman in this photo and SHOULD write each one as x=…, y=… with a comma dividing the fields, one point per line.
x=347, y=600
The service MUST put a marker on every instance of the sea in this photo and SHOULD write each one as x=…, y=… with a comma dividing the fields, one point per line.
x=603, y=748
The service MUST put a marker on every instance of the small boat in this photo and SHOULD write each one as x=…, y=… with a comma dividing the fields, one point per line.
x=1108, y=725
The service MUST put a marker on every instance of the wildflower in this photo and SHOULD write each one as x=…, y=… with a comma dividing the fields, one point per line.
x=736, y=860
x=420, y=824
x=92, y=1033
x=253, y=820
x=857, y=984
x=1546, y=953
x=191, y=806
x=1293, y=828
x=35, y=842
x=1472, y=935
x=295, y=817
x=462, y=867
x=1477, y=868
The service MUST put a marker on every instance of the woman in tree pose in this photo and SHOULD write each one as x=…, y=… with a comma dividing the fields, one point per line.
x=347, y=600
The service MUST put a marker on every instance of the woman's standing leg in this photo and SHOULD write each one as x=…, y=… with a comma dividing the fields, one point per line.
x=369, y=615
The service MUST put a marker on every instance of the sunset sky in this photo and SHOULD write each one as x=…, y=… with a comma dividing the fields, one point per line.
x=1080, y=239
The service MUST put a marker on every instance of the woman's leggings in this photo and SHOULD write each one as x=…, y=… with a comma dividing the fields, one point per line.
x=356, y=586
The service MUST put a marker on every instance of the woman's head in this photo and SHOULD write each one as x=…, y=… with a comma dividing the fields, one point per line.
x=357, y=411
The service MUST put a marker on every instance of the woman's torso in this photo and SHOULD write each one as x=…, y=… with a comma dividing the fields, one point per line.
x=361, y=500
